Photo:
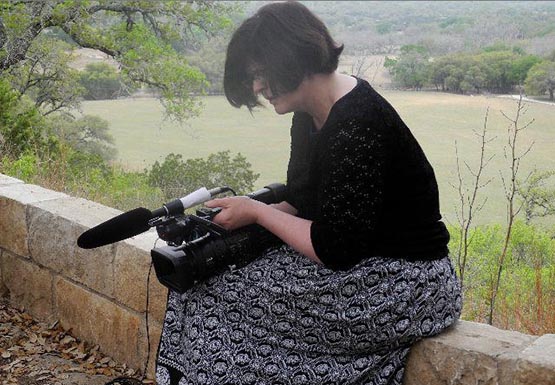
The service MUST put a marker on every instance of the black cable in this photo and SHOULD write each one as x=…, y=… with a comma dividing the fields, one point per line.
x=146, y=319
x=226, y=188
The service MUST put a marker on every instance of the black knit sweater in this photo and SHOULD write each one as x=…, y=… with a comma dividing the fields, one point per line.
x=366, y=184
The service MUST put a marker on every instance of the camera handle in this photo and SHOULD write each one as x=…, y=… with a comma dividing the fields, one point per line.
x=207, y=224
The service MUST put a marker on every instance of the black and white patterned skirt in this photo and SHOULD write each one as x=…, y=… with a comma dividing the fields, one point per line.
x=285, y=320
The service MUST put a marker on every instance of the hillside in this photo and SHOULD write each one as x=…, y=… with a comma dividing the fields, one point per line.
x=442, y=26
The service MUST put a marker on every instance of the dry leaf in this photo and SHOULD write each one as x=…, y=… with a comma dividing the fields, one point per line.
x=67, y=340
x=105, y=360
x=23, y=340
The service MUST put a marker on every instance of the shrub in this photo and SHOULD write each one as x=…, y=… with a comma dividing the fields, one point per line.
x=176, y=177
x=526, y=299
x=21, y=125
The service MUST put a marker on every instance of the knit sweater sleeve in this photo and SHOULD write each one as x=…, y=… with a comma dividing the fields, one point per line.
x=298, y=184
x=351, y=193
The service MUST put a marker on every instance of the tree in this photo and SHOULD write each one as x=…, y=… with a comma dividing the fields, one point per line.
x=514, y=156
x=139, y=35
x=494, y=70
x=176, y=177
x=100, y=81
x=538, y=198
x=474, y=80
x=363, y=67
x=411, y=68
x=541, y=79
x=88, y=134
x=210, y=58
x=46, y=77
x=497, y=65
x=440, y=70
x=21, y=126
x=521, y=66
x=469, y=203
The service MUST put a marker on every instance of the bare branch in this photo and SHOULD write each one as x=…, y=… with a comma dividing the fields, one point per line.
x=114, y=7
x=86, y=44
x=511, y=190
x=468, y=197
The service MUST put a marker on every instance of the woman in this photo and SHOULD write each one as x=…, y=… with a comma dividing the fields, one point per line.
x=364, y=272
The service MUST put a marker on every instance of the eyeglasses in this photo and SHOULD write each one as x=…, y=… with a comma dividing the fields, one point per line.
x=255, y=72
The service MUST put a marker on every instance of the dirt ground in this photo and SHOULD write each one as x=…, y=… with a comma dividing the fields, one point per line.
x=34, y=353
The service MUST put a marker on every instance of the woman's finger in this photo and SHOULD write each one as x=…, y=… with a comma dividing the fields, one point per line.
x=218, y=202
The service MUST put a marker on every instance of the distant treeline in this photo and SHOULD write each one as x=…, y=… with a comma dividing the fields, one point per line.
x=496, y=69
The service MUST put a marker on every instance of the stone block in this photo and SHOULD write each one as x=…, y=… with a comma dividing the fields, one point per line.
x=119, y=332
x=54, y=227
x=467, y=353
x=6, y=180
x=536, y=364
x=132, y=263
x=28, y=285
x=14, y=199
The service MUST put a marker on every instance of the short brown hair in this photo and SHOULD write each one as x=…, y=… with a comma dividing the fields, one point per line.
x=285, y=42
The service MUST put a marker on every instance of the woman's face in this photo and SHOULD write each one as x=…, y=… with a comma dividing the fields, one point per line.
x=283, y=103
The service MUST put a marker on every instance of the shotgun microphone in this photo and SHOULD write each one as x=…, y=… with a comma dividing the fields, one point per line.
x=121, y=227
x=136, y=221
x=178, y=206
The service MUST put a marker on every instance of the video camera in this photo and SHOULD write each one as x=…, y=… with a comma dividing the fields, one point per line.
x=197, y=248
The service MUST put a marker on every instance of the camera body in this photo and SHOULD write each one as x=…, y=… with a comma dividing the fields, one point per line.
x=197, y=248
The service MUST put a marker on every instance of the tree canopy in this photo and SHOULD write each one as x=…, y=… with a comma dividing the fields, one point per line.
x=541, y=79
x=145, y=38
x=494, y=69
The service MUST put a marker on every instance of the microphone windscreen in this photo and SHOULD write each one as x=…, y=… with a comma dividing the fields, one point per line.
x=121, y=227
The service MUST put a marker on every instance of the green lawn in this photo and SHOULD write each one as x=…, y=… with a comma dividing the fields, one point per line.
x=436, y=119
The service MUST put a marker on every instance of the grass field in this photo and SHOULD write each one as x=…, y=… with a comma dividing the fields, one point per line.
x=437, y=120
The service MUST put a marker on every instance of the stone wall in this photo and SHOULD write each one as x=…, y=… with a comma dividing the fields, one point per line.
x=101, y=295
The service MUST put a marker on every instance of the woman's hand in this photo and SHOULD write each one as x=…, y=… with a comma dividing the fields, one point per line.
x=236, y=211
x=278, y=219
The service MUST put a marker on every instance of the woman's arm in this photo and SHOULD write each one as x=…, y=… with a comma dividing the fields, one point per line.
x=285, y=207
x=241, y=211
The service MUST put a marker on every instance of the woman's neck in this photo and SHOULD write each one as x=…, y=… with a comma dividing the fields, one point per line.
x=322, y=91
